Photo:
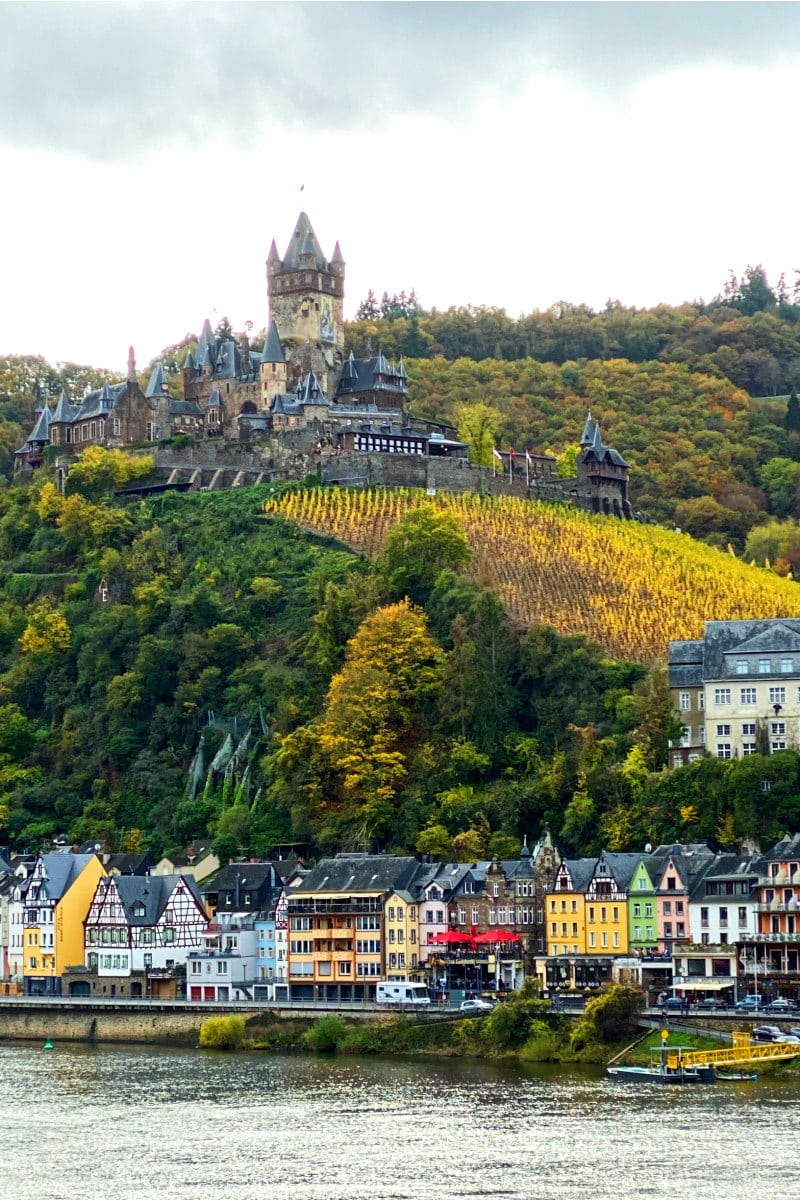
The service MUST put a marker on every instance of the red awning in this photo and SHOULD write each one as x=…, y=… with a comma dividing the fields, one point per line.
x=450, y=937
x=496, y=935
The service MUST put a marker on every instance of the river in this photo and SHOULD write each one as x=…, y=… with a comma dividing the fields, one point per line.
x=131, y=1123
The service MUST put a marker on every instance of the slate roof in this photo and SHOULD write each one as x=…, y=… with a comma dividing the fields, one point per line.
x=359, y=873
x=152, y=893
x=310, y=390
x=157, y=384
x=128, y=864
x=65, y=412
x=779, y=635
x=598, y=449
x=358, y=375
x=61, y=871
x=273, y=350
x=287, y=406
x=581, y=871
x=302, y=243
x=622, y=867
x=185, y=408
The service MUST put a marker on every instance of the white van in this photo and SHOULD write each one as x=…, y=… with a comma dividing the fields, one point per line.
x=411, y=995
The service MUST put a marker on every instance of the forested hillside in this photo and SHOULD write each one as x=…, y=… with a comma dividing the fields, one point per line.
x=387, y=704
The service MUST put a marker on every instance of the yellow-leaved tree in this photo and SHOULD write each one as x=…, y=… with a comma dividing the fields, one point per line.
x=351, y=763
x=97, y=470
x=47, y=631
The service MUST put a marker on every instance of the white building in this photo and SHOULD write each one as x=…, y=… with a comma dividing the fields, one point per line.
x=737, y=690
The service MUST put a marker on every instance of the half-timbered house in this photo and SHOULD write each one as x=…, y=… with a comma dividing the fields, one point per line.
x=139, y=933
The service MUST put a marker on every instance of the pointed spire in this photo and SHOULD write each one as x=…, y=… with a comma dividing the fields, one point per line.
x=157, y=385
x=273, y=350
x=303, y=244
x=338, y=258
x=525, y=852
x=131, y=365
x=597, y=445
x=188, y=362
x=63, y=410
x=587, y=437
x=273, y=257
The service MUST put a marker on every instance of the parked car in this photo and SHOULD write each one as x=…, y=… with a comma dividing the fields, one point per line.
x=767, y=1033
x=476, y=1006
x=749, y=1004
x=672, y=1004
x=779, y=1005
x=713, y=1002
x=788, y=1037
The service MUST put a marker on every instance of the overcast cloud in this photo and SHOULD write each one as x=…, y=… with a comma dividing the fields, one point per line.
x=499, y=154
x=109, y=80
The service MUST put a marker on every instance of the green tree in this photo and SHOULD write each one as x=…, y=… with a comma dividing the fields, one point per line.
x=421, y=546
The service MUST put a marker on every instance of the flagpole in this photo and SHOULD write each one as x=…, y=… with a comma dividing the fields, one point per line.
x=527, y=468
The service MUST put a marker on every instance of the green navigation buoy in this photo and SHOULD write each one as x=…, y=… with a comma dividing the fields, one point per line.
x=48, y=1045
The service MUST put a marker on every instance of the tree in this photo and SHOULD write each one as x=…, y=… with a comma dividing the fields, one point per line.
x=98, y=471
x=780, y=478
x=421, y=546
x=478, y=425
x=792, y=419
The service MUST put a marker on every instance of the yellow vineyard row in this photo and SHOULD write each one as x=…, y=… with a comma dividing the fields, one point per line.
x=630, y=587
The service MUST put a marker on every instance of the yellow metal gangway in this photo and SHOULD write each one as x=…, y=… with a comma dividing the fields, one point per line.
x=740, y=1054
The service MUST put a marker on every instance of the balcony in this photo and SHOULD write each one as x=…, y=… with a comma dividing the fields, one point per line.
x=354, y=904
x=326, y=934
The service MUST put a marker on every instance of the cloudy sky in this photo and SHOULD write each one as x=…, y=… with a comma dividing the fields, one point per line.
x=498, y=154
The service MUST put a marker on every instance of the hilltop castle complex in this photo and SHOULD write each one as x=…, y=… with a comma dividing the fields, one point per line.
x=302, y=404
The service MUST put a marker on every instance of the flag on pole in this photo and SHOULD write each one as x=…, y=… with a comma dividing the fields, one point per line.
x=512, y=458
x=528, y=461
x=497, y=457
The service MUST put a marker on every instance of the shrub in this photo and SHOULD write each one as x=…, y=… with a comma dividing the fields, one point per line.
x=222, y=1033
x=608, y=1017
x=326, y=1035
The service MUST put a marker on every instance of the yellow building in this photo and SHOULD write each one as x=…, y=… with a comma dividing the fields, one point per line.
x=402, y=937
x=58, y=894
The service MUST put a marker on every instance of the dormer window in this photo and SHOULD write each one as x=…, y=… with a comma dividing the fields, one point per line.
x=138, y=909
x=763, y=666
x=741, y=666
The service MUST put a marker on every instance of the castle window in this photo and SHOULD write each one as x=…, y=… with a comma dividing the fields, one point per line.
x=748, y=695
x=117, y=427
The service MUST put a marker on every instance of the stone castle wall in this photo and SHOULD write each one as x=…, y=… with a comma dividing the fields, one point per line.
x=223, y=464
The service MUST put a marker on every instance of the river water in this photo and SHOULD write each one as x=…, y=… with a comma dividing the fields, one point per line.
x=131, y=1123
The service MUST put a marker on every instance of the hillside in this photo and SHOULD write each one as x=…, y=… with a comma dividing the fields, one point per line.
x=630, y=588
x=184, y=668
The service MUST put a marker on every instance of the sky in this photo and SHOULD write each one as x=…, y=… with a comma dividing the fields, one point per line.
x=509, y=155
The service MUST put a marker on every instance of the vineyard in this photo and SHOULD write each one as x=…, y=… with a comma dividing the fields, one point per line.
x=631, y=588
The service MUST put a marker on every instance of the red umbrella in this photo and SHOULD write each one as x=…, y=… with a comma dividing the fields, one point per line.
x=450, y=937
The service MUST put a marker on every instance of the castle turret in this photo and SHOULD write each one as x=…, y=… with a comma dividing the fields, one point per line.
x=306, y=298
x=273, y=367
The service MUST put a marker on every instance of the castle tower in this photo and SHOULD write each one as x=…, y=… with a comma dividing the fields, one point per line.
x=273, y=370
x=306, y=300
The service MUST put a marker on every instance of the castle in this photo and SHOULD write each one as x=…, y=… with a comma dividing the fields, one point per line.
x=299, y=392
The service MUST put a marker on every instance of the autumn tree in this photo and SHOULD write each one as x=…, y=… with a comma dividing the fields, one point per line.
x=353, y=762
x=478, y=425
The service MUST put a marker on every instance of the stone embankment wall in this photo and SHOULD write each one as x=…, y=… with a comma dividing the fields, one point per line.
x=147, y=1021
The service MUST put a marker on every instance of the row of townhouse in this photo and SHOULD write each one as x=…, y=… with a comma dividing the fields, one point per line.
x=70, y=926
x=677, y=917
